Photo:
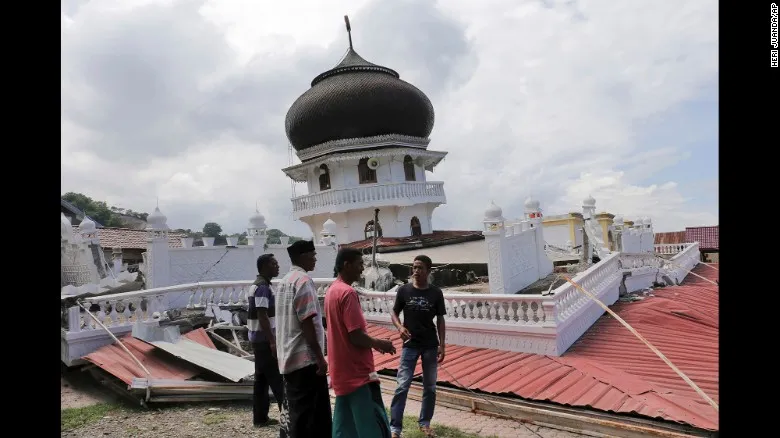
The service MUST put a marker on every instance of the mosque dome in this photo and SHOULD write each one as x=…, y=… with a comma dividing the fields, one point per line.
x=355, y=99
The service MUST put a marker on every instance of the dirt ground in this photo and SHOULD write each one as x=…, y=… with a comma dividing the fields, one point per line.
x=89, y=411
x=113, y=416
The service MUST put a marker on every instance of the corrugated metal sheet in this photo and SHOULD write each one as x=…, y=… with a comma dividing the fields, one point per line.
x=706, y=236
x=608, y=369
x=226, y=365
x=114, y=360
x=671, y=238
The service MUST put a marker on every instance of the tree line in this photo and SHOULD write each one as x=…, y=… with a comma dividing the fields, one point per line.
x=111, y=216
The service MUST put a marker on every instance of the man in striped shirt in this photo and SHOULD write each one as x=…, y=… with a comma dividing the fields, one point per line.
x=300, y=346
x=260, y=323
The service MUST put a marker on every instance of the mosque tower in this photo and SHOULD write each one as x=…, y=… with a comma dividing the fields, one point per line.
x=361, y=134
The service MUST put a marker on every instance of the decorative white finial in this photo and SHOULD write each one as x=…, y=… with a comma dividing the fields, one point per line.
x=157, y=220
x=589, y=201
x=87, y=226
x=257, y=220
x=66, y=229
x=493, y=212
x=330, y=226
x=531, y=204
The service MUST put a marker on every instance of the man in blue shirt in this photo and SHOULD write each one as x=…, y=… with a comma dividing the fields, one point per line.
x=261, y=325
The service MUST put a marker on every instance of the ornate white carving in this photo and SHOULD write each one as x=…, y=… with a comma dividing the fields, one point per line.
x=362, y=143
x=429, y=160
x=375, y=195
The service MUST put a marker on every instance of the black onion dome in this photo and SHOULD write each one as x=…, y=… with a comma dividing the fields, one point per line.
x=357, y=99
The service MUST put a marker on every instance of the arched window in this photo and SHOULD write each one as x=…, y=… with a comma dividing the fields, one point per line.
x=367, y=175
x=415, y=226
x=409, y=169
x=369, y=230
x=324, y=177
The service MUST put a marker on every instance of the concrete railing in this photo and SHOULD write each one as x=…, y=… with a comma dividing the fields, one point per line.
x=373, y=194
x=118, y=312
x=531, y=323
x=670, y=248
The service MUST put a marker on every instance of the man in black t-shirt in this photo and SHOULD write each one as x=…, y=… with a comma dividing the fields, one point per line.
x=420, y=303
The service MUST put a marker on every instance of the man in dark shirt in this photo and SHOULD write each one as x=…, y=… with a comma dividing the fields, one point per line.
x=260, y=323
x=420, y=303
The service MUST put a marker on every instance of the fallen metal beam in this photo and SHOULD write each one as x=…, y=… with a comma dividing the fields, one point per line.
x=553, y=416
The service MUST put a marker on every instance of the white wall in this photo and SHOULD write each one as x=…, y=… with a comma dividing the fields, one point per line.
x=557, y=235
x=344, y=174
x=516, y=257
x=191, y=265
x=638, y=241
x=395, y=222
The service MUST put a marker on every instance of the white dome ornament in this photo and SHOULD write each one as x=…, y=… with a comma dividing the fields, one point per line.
x=493, y=212
x=87, y=226
x=328, y=232
x=257, y=224
x=66, y=229
x=330, y=227
x=157, y=220
x=589, y=201
x=257, y=220
x=494, y=218
x=532, y=210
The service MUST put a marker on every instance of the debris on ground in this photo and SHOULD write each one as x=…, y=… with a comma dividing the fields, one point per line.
x=168, y=366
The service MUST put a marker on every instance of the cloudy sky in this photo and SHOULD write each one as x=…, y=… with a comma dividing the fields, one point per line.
x=184, y=100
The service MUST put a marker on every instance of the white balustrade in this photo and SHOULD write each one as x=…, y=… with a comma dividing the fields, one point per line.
x=684, y=261
x=568, y=300
x=123, y=309
x=369, y=194
x=520, y=322
x=670, y=248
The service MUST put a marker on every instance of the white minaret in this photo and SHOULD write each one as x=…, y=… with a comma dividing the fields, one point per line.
x=361, y=134
x=533, y=214
x=256, y=233
x=589, y=207
x=158, y=260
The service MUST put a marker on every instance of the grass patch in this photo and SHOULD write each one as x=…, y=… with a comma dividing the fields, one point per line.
x=214, y=418
x=412, y=430
x=74, y=418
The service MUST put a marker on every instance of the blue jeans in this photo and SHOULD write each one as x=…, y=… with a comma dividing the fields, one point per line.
x=406, y=368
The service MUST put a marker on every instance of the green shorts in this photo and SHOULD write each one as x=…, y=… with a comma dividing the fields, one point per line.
x=361, y=414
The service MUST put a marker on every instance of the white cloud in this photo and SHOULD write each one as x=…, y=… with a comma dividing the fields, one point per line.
x=185, y=100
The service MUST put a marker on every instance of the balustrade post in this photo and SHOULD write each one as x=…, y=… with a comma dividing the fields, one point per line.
x=74, y=319
x=550, y=313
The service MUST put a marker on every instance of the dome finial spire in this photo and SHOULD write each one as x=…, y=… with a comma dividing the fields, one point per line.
x=349, y=31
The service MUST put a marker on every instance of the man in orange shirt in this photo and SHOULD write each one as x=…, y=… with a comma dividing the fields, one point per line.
x=359, y=410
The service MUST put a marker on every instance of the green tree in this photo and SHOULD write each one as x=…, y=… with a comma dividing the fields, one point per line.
x=212, y=229
x=274, y=234
x=97, y=210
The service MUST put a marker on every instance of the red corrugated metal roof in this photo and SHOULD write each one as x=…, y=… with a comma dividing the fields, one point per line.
x=608, y=369
x=127, y=238
x=114, y=360
x=671, y=237
x=706, y=236
x=436, y=237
